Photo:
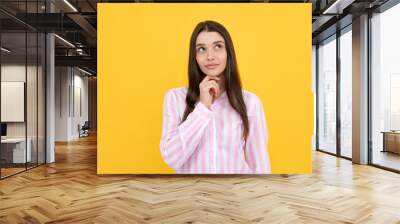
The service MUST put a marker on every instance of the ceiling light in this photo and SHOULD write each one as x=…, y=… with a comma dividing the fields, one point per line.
x=64, y=40
x=338, y=6
x=70, y=5
x=84, y=71
x=5, y=50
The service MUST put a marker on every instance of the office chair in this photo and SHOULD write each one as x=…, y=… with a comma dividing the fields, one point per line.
x=84, y=130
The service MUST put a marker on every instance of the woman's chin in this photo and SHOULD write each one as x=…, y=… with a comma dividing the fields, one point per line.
x=214, y=75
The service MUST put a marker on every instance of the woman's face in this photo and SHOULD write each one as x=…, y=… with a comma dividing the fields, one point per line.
x=211, y=53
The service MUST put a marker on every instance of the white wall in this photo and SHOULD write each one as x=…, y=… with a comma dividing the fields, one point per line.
x=16, y=73
x=12, y=101
x=80, y=83
x=62, y=80
x=33, y=127
x=71, y=93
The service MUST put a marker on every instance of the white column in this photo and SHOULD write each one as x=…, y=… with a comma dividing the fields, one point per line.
x=50, y=92
x=360, y=89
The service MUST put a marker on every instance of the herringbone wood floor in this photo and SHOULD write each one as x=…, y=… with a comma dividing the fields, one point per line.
x=69, y=191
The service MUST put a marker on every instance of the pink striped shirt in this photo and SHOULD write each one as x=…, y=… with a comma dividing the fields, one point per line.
x=210, y=141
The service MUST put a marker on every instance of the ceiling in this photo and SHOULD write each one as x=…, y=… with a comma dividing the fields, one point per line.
x=76, y=22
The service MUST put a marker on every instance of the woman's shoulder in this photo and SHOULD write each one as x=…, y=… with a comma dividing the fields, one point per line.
x=252, y=102
x=249, y=97
x=177, y=93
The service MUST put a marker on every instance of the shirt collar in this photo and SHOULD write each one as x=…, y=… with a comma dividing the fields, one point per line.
x=221, y=98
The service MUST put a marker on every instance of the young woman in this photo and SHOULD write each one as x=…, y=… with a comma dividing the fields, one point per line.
x=214, y=126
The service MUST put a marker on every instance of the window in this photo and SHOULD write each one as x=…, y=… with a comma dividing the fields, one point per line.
x=327, y=95
x=346, y=93
x=385, y=88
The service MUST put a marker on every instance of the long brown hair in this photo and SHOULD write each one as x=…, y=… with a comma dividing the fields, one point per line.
x=233, y=84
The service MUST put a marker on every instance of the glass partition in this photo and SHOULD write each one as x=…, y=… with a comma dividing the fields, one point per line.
x=32, y=95
x=22, y=77
x=14, y=154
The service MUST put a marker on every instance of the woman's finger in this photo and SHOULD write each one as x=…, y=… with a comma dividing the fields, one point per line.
x=205, y=79
x=210, y=87
x=213, y=78
x=208, y=79
x=215, y=86
x=212, y=83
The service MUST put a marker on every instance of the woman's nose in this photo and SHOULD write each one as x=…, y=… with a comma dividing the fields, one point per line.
x=210, y=55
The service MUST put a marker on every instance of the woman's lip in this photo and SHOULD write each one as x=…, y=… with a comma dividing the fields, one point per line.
x=211, y=66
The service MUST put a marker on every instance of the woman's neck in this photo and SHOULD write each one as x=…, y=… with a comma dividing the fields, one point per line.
x=221, y=84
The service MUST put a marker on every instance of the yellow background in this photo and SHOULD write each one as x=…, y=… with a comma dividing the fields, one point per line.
x=143, y=52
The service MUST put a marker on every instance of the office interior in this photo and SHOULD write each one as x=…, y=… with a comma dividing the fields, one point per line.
x=49, y=91
x=48, y=80
x=373, y=84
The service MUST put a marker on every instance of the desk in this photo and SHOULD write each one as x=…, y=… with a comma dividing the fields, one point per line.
x=15, y=148
x=391, y=141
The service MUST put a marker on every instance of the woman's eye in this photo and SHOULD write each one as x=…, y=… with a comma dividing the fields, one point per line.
x=218, y=46
x=200, y=49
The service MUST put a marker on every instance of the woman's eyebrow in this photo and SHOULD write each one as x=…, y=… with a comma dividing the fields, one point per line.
x=215, y=42
x=219, y=41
